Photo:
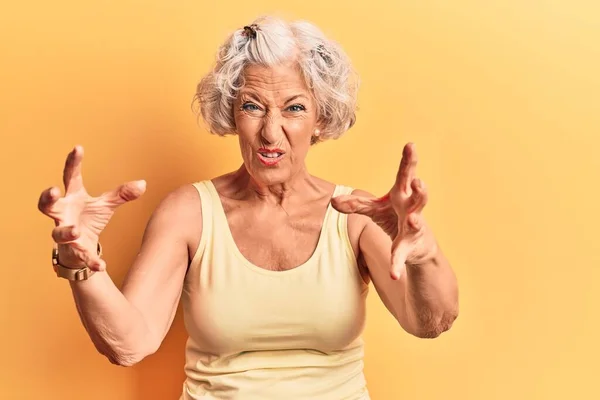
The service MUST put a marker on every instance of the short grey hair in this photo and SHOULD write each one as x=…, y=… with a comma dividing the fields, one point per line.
x=270, y=41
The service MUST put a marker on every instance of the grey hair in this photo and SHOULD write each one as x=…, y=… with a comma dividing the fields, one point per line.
x=270, y=41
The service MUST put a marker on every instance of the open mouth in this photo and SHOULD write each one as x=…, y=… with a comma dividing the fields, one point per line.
x=270, y=156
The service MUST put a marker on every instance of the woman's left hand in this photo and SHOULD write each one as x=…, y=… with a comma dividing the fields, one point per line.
x=399, y=214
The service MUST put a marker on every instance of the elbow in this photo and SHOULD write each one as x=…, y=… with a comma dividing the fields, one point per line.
x=123, y=358
x=124, y=361
x=431, y=332
x=436, y=327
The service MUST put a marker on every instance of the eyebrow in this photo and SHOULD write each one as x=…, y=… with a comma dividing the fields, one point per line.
x=251, y=94
x=294, y=97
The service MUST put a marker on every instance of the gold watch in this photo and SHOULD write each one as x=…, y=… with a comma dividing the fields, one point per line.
x=72, y=274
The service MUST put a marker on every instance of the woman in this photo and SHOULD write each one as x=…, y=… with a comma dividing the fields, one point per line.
x=272, y=264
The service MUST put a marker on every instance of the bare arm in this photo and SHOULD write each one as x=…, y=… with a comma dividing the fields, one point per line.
x=408, y=269
x=129, y=324
x=424, y=300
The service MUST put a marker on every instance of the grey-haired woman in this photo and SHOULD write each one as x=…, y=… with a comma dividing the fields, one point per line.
x=272, y=264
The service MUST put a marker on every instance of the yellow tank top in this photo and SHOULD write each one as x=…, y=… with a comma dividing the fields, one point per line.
x=257, y=334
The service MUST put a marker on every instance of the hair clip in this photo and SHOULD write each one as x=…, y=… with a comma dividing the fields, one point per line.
x=250, y=31
x=324, y=54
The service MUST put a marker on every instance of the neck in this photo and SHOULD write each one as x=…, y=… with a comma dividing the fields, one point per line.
x=297, y=186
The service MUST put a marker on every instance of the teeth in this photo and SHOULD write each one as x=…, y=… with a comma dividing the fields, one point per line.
x=270, y=155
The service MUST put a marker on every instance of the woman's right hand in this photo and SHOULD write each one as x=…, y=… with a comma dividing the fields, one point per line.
x=79, y=217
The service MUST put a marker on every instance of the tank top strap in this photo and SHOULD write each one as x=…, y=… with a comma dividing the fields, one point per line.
x=336, y=237
x=338, y=219
x=208, y=216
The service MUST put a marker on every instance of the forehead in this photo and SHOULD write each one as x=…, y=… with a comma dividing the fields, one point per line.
x=275, y=79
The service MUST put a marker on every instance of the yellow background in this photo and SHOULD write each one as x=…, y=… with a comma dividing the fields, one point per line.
x=500, y=97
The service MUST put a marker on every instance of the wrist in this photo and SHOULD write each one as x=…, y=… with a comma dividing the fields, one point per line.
x=68, y=257
x=77, y=270
x=70, y=262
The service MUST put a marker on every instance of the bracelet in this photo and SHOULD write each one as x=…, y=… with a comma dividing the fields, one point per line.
x=72, y=274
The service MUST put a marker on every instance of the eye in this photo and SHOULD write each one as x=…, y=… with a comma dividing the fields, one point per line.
x=296, y=108
x=248, y=106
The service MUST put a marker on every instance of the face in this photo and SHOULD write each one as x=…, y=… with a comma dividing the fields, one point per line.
x=275, y=117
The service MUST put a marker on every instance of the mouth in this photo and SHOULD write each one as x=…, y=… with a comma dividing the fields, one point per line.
x=270, y=156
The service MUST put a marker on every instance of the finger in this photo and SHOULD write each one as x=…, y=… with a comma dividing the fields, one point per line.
x=419, y=196
x=408, y=165
x=72, y=178
x=399, y=254
x=352, y=204
x=94, y=262
x=47, y=200
x=65, y=234
x=125, y=193
x=415, y=222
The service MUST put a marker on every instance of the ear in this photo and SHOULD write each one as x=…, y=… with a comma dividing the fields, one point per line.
x=314, y=139
x=321, y=123
x=318, y=130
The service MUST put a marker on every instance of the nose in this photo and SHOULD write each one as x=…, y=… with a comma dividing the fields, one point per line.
x=272, y=129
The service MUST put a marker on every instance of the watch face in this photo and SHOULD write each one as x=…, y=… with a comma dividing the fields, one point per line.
x=55, y=257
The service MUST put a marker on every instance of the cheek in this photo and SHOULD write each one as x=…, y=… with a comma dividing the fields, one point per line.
x=299, y=143
x=247, y=129
x=245, y=124
x=299, y=131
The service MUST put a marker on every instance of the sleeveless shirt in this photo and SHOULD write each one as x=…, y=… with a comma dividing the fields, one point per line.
x=261, y=334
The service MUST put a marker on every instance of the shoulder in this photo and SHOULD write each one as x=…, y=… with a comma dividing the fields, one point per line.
x=178, y=207
x=180, y=200
x=178, y=217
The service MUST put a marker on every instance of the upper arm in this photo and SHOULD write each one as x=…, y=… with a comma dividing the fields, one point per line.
x=375, y=249
x=155, y=280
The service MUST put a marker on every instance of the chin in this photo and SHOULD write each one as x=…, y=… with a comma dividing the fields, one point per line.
x=270, y=175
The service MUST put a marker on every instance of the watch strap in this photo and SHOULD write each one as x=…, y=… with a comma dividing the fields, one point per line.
x=72, y=274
